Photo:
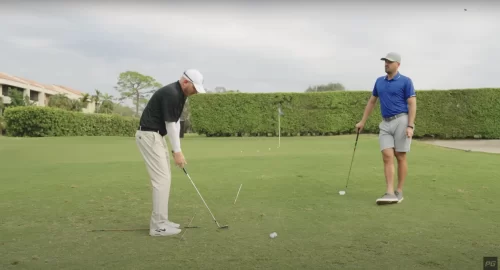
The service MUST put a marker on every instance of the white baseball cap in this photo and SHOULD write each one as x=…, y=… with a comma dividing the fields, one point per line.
x=196, y=78
x=393, y=57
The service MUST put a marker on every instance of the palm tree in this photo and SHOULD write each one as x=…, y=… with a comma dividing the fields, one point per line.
x=107, y=97
x=85, y=99
x=96, y=99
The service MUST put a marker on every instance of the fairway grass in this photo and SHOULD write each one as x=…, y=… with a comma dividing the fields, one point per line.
x=55, y=191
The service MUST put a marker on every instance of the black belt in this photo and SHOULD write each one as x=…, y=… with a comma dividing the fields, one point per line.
x=148, y=129
x=394, y=117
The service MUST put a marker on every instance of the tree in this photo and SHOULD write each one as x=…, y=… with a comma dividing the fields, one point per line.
x=28, y=102
x=16, y=97
x=106, y=107
x=231, y=91
x=2, y=121
x=136, y=86
x=220, y=89
x=96, y=99
x=326, y=87
x=107, y=97
x=61, y=101
x=2, y=106
x=84, y=101
x=122, y=110
x=142, y=104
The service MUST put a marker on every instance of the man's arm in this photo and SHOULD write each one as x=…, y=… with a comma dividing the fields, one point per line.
x=411, y=98
x=173, y=135
x=412, y=110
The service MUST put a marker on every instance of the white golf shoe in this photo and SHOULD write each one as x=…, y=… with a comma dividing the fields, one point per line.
x=173, y=225
x=165, y=231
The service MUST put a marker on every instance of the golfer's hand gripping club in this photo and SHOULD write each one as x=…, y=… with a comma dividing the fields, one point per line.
x=179, y=159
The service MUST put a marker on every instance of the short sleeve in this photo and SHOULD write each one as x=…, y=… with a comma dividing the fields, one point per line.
x=170, y=107
x=409, y=89
x=375, y=92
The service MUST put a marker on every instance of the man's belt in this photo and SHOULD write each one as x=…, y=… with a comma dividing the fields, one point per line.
x=141, y=128
x=394, y=117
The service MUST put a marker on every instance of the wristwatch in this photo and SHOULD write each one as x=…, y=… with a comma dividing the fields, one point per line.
x=411, y=126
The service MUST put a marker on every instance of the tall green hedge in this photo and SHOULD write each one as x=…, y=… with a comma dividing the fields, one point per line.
x=32, y=121
x=468, y=113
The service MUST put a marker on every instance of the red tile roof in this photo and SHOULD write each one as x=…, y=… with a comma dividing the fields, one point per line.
x=52, y=87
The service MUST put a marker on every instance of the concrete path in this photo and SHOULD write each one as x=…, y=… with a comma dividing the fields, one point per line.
x=487, y=146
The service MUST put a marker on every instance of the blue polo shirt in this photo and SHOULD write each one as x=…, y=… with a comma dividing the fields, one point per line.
x=393, y=94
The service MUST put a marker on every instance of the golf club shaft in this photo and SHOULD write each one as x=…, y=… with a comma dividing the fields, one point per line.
x=352, y=159
x=200, y=196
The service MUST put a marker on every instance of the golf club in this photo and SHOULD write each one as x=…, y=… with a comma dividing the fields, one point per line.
x=342, y=192
x=218, y=225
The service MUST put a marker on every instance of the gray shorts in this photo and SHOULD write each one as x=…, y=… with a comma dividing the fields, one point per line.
x=393, y=134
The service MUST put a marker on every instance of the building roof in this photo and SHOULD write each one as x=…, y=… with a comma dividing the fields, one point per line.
x=28, y=82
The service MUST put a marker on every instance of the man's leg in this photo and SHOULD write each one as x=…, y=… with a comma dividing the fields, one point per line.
x=386, y=141
x=402, y=170
x=154, y=153
x=167, y=154
x=402, y=147
x=388, y=157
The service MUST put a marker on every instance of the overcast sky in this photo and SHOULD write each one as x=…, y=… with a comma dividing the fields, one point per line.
x=252, y=47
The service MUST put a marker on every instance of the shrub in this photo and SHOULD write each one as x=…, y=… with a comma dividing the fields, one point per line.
x=2, y=125
x=441, y=114
x=48, y=122
x=241, y=114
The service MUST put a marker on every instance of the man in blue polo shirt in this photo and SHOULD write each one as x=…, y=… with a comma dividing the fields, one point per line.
x=398, y=106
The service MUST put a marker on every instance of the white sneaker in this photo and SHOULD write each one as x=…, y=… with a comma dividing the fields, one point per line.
x=165, y=231
x=173, y=225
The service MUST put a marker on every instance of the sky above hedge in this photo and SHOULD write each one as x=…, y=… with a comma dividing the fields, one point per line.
x=252, y=47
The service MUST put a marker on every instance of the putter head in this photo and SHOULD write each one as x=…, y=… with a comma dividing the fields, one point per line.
x=224, y=227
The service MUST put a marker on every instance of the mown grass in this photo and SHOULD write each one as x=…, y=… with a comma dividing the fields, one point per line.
x=55, y=191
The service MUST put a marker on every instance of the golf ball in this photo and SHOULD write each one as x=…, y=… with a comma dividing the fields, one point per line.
x=341, y=192
x=273, y=235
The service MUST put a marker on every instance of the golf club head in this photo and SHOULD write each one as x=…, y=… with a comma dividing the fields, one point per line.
x=224, y=227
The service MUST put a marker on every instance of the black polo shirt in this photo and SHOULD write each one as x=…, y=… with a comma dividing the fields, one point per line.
x=165, y=105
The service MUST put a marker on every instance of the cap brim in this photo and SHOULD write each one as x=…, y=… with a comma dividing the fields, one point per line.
x=199, y=88
x=388, y=59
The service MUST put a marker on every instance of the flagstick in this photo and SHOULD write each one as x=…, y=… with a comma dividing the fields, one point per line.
x=279, y=129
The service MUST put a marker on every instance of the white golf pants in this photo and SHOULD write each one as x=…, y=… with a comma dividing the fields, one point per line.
x=155, y=152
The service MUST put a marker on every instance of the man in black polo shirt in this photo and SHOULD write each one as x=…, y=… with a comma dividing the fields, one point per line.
x=160, y=118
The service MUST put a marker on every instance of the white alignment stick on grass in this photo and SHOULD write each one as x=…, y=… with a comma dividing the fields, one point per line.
x=188, y=226
x=237, y=194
